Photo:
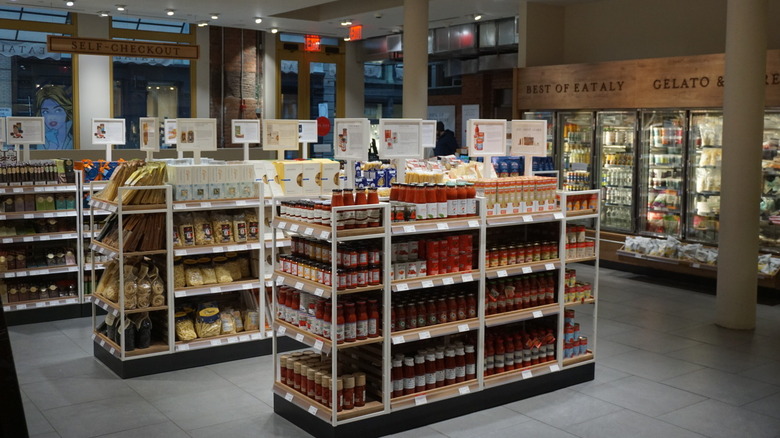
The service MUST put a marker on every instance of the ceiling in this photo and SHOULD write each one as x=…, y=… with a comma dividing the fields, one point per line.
x=322, y=17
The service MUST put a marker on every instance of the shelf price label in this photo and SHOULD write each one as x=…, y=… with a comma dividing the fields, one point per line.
x=324, y=235
x=298, y=285
x=183, y=347
x=299, y=337
x=442, y=226
x=240, y=203
x=18, y=190
x=463, y=328
x=27, y=239
x=463, y=390
x=288, y=397
x=558, y=215
x=527, y=270
x=467, y=277
x=232, y=340
x=554, y=367
x=281, y=330
x=215, y=342
x=527, y=374
x=247, y=286
x=538, y=314
x=308, y=231
x=502, y=273
x=425, y=335
x=398, y=340
x=42, y=238
x=448, y=281
x=549, y=266
x=409, y=229
x=318, y=345
x=215, y=290
x=282, y=224
x=695, y=265
x=319, y=291
x=313, y=410
x=473, y=224
x=403, y=286
x=29, y=216
x=427, y=283
x=528, y=218
x=420, y=400
x=294, y=227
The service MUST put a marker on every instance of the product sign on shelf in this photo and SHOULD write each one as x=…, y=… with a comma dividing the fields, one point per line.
x=170, y=133
x=351, y=139
x=245, y=131
x=2, y=130
x=486, y=138
x=428, y=133
x=25, y=130
x=150, y=134
x=108, y=131
x=400, y=138
x=197, y=134
x=307, y=131
x=529, y=137
x=280, y=135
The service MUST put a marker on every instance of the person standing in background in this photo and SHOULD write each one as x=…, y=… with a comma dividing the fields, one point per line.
x=56, y=109
x=445, y=141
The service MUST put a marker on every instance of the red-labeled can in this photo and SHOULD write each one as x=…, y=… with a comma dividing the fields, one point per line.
x=444, y=251
x=453, y=243
x=432, y=249
x=466, y=241
x=433, y=266
x=464, y=263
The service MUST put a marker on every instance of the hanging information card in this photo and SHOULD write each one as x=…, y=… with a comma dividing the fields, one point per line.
x=280, y=135
x=245, y=131
x=169, y=132
x=150, y=134
x=351, y=139
x=307, y=131
x=108, y=131
x=428, y=133
x=486, y=138
x=400, y=138
x=529, y=137
x=25, y=130
x=197, y=134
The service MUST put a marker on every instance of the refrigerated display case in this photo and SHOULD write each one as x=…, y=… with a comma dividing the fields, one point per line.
x=769, y=233
x=705, y=152
x=549, y=116
x=576, y=136
x=662, y=172
x=616, y=141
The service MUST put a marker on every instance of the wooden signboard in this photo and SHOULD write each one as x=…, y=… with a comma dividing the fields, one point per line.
x=683, y=81
x=97, y=46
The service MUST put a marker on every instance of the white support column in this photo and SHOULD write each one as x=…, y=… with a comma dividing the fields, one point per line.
x=269, y=76
x=354, y=84
x=743, y=121
x=94, y=80
x=415, y=50
x=202, y=87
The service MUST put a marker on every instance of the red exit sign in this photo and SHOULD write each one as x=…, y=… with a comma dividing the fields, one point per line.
x=312, y=43
x=356, y=32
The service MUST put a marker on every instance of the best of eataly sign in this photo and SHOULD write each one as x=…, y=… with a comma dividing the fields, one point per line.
x=95, y=46
x=678, y=82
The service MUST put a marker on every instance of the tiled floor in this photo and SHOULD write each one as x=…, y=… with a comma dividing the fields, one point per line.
x=663, y=370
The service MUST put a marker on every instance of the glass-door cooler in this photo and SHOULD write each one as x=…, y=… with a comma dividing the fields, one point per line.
x=576, y=140
x=661, y=172
x=705, y=152
x=616, y=140
x=769, y=233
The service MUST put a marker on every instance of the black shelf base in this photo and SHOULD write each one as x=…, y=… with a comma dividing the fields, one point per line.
x=434, y=412
x=192, y=358
x=48, y=314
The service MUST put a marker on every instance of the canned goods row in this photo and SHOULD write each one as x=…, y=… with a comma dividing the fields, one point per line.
x=439, y=308
x=433, y=247
x=520, y=292
x=580, y=250
x=519, y=253
x=433, y=367
x=575, y=347
x=348, y=255
x=582, y=202
x=509, y=349
x=310, y=375
x=320, y=212
x=345, y=278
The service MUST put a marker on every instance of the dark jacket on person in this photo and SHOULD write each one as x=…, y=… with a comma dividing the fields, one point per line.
x=445, y=144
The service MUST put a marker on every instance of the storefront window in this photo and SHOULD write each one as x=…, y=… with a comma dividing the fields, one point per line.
x=34, y=82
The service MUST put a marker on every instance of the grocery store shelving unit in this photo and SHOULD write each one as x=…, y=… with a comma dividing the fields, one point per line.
x=174, y=354
x=390, y=415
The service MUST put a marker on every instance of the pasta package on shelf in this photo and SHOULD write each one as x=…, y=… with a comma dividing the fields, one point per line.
x=211, y=317
x=143, y=283
x=140, y=233
x=211, y=180
x=204, y=228
x=203, y=271
x=136, y=173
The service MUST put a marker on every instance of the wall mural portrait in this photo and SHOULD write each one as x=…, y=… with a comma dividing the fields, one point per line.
x=56, y=108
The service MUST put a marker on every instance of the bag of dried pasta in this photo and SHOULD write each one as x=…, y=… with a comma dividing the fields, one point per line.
x=192, y=273
x=221, y=270
x=184, y=225
x=251, y=320
x=252, y=225
x=130, y=287
x=207, y=270
x=208, y=323
x=179, y=278
x=240, y=228
x=228, y=323
x=222, y=225
x=143, y=287
x=185, y=327
x=204, y=233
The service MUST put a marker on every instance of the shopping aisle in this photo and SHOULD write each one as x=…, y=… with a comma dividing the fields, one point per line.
x=663, y=370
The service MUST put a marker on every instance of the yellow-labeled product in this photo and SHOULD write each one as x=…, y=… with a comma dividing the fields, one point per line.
x=221, y=270
x=208, y=323
x=207, y=270
x=185, y=328
x=289, y=174
x=310, y=170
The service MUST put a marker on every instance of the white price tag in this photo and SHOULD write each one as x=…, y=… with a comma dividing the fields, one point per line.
x=409, y=229
x=474, y=224
x=558, y=215
x=206, y=204
x=279, y=281
x=425, y=335
x=299, y=285
x=420, y=400
x=639, y=256
x=403, y=286
x=447, y=281
x=308, y=231
x=294, y=227
x=538, y=314
x=21, y=306
x=19, y=190
x=40, y=304
x=9, y=275
x=8, y=240
x=464, y=390
x=463, y=328
x=240, y=203
x=527, y=374
x=20, y=274
x=44, y=272
x=8, y=309
x=247, y=286
x=232, y=340
x=313, y=410
x=442, y=226
x=288, y=397
x=549, y=266
x=398, y=340
x=40, y=189
x=299, y=337
x=112, y=350
x=243, y=338
x=527, y=270
x=218, y=249
x=27, y=239
x=183, y=347
x=42, y=238
x=467, y=277
x=554, y=367
x=282, y=225
x=281, y=330
x=324, y=235
x=102, y=342
x=528, y=218
x=29, y=216
x=215, y=290
x=318, y=345
x=695, y=265
x=215, y=342
x=427, y=283
x=501, y=273
x=319, y=291
x=254, y=336
x=2, y=217
x=48, y=215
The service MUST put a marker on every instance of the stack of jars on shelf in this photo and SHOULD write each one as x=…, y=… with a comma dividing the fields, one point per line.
x=310, y=375
x=358, y=316
x=319, y=212
x=19, y=290
x=581, y=202
x=511, y=348
x=573, y=344
x=417, y=202
x=32, y=257
x=519, y=292
x=358, y=264
x=412, y=311
x=433, y=367
x=517, y=252
x=575, y=291
x=433, y=255
x=37, y=173
x=517, y=194
x=577, y=246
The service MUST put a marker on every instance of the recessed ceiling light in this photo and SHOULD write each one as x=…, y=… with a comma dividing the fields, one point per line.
x=258, y=20
x=120, y=8
x=274, y=30
x=346, y=38
x=103, y=13
x=170, y=12
x=214, y=16
x=203, y=23
x=346, y=22
x=477, y=17
x=70, y=3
